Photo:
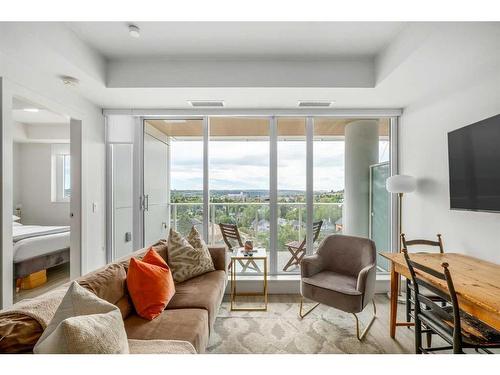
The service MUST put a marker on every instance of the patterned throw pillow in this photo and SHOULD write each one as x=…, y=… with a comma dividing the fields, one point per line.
x=189, y=257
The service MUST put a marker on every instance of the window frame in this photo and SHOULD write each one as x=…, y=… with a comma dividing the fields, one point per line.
x=273, y=140
x=60, y=154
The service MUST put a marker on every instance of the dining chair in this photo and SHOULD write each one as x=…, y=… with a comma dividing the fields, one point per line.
x=232, y=239
x=298, y=249
x=419, y=242
x=459, y=329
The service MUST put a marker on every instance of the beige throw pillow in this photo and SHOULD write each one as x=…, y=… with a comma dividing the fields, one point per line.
x=84, y=324
x=189, y=257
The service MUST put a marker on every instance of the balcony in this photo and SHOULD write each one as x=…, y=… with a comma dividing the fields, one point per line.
x=253, y=223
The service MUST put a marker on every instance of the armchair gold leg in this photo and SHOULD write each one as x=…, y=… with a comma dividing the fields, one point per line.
x=360, y=337
x=301, y=314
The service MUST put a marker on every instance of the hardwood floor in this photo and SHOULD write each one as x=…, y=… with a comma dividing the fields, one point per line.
x=55, y=276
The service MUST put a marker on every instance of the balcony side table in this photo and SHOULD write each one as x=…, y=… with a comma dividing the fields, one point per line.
x=259, y=255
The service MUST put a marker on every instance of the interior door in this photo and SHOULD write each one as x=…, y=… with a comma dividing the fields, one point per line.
x=155, y=201
x=379, y=211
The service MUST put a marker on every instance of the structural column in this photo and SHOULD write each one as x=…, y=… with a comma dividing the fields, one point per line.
x=361, y=151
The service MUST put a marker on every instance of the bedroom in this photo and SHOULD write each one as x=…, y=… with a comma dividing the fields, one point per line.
x=41, y=198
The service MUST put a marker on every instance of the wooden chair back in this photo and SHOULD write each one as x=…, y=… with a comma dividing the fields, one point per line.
x=316, y=229
x=406, y=243
x=430, y=310
x=231, y=235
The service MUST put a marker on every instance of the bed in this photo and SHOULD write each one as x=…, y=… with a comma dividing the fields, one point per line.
x=38, y=248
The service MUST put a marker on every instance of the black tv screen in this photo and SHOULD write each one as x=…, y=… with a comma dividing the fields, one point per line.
x=474, y=164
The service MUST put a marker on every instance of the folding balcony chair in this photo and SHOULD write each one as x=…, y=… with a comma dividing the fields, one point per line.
x=232, y=238
x=298, y=249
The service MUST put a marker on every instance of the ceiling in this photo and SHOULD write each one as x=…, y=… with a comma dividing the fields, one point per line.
x=253, y=65
x=238, y=40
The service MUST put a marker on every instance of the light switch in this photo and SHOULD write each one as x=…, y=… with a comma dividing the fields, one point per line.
x=94, y=207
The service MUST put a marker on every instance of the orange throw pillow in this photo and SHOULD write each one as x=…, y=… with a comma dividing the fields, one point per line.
x=150, y=284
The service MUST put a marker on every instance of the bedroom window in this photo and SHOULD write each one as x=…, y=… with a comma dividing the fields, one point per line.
x=66, y=177
x=61, y=174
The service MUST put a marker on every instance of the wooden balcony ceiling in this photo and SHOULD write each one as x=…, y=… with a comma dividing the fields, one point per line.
x=258, y=127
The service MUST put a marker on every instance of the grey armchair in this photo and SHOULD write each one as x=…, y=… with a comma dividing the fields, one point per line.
x=341, y=275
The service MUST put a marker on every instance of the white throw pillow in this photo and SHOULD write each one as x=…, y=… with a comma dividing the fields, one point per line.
x=84, y=324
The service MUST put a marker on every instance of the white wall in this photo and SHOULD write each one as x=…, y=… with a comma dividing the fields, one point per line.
x=16, y=170
x=36, y=79
x=424, y=154
x=33, y=164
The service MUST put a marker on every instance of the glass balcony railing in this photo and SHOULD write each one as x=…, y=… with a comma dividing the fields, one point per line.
x=253, y=224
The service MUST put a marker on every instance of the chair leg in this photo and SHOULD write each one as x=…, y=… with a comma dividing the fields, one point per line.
x=291, y=261
x=408, y=302
x=303, y=315
x=418, y=336
x=429, y=339
x=368, y=326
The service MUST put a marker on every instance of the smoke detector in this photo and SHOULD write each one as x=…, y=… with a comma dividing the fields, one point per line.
x=134, y=31
x=70, y=81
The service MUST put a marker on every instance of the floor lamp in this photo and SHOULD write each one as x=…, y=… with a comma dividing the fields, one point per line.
x=400, y=184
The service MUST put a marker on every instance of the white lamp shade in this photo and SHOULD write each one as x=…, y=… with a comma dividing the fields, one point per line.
x=401, y=183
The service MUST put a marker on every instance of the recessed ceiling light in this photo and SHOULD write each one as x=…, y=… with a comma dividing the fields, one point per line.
x=206, y=103
x=34, y=110
x=315, y=103
x=70, y=81
x=134, y=31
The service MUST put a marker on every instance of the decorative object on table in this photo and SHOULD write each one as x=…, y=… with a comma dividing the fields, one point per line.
x=298, y=249
x=232, y=239
x=248, y=246
x=185, y=260
x=400, y=184
x=19, y=208
x=258, y=254
x=347, y=285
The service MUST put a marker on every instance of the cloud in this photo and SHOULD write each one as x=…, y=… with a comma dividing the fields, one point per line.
x=243, y=165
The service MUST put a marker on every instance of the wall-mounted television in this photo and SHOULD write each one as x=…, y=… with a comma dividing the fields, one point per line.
x=474, y=166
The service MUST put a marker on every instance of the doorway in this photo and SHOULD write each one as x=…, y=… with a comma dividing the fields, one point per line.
x=44, y=208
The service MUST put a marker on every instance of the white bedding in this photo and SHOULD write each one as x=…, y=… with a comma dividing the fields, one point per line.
x=31, y=241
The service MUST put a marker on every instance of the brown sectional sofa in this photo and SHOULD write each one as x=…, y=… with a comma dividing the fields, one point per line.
x=189, y=316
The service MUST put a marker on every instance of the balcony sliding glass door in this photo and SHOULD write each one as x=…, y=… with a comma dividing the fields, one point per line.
x=272, y=177
x=239, y=179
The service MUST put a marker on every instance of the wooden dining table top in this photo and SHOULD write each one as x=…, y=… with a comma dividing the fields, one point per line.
x=476, y=281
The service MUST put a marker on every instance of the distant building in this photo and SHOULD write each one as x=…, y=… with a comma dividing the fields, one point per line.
x=240, y=196
x=261, y=225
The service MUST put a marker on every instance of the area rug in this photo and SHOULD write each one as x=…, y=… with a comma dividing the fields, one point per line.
x=280, y=330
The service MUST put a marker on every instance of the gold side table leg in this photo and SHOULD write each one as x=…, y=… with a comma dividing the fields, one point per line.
x=234, y=293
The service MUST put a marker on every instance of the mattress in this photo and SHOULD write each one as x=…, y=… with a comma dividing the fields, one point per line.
x=21, y=232
x=31, y=241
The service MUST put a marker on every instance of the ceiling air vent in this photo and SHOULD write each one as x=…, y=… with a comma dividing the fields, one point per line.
x=315, y=103
x=206, y=103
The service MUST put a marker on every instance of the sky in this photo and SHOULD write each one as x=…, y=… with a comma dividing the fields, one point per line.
x=244, y=165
